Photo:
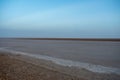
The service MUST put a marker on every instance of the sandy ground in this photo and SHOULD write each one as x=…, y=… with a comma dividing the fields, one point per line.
x=14, y=69
x=17, y=67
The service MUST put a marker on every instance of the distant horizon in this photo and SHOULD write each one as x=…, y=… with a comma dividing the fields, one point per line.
x=83, y=39
x=65, y=37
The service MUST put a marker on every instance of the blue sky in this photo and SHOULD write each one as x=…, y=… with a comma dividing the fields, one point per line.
x=60, y=18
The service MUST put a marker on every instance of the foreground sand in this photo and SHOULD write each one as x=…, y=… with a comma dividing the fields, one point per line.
x=19, y=67
x=14, y=69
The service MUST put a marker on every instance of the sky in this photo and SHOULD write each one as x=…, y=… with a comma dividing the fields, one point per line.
x=60, y=18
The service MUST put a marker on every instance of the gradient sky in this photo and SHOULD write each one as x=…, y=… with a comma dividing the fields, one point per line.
x=60, y=18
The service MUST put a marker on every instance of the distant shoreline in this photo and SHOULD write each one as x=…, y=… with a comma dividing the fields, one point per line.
x=73, y=39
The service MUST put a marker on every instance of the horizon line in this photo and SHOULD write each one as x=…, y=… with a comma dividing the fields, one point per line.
x=73, y=39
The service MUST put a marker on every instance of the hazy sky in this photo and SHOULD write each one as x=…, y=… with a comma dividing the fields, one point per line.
x=60, y=18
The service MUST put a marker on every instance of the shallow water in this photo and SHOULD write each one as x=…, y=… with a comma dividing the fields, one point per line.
x=95, y=52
